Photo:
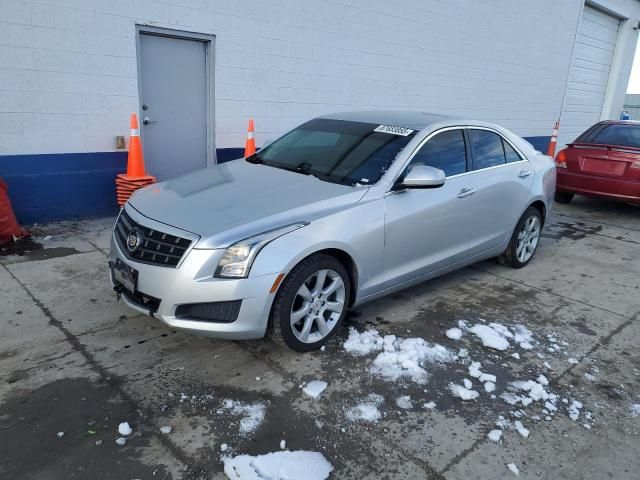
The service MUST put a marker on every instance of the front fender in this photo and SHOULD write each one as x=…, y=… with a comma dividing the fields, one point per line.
x=358, y=231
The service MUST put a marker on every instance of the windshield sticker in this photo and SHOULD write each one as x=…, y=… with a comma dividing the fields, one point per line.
x=394, y=130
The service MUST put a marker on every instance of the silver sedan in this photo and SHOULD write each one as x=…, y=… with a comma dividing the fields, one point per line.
x=339, y=211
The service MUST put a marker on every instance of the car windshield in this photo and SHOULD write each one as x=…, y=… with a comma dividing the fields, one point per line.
x=626, y=135
x=338, y=151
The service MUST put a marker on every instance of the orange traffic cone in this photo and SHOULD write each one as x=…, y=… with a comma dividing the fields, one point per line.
x=554, y=140
x=135, y=178
x=250, y=145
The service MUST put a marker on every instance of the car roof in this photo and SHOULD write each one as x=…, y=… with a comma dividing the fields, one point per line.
x=619, y=122
x=415, y=120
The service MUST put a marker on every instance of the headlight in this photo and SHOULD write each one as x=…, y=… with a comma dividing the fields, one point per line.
x=238, y=258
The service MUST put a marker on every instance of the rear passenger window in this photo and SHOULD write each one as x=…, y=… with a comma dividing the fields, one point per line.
x=510, y=154
x=487, y=149
x=445, y=151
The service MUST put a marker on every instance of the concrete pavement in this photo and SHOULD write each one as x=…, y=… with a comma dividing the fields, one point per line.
x=74, y=360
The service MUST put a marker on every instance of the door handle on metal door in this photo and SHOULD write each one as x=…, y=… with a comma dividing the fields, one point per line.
x=466, y=192
x=147, y=121
x=524, y=173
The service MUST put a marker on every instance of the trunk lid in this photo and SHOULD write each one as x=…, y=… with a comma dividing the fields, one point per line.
x=604, y=160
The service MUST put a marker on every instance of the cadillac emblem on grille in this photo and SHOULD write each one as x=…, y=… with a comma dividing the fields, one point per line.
x=134, y=240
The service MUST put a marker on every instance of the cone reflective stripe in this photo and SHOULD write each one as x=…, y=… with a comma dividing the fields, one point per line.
x=250, y=145
x=554, y=140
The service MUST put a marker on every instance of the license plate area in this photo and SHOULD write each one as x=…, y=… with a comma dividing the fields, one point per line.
x=604, y=167
x=125, y=275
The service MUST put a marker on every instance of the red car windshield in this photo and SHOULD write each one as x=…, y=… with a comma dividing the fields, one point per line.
x=623, y=134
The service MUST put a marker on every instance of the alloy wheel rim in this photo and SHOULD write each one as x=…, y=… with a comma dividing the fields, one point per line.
x=528, y=239
x=317, y=306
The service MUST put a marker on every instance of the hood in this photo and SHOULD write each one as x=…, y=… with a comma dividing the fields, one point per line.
x=232, y=201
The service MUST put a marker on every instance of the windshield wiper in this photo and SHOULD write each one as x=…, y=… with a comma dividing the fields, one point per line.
x=255, y=159
x=305, y=169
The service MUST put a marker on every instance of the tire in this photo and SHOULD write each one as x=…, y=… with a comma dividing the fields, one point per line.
x=528, y=231
x=297, y=314
x=563, y=197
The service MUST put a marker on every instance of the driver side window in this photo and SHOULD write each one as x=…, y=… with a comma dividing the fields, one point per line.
x=445, y=151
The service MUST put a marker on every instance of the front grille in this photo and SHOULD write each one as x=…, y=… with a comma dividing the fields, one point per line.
x=156, y=248
x=221, y=312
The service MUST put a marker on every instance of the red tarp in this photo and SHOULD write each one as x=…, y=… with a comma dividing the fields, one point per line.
x=9, y=228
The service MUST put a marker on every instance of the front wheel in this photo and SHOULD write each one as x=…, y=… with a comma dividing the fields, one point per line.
x=524, y=240
x=310, y=304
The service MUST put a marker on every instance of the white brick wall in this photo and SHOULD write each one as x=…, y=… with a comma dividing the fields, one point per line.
x=68, y=67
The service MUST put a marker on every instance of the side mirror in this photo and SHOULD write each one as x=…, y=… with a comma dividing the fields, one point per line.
x=422, y=176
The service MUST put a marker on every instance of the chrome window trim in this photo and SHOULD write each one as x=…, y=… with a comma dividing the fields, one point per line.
x=523, y=158
x=517, y=150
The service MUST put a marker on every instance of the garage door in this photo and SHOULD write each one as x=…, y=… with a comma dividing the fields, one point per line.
x=589, y=74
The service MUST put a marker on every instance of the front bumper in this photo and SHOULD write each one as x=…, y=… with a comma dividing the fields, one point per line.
x=591, y=185
x=192, y=282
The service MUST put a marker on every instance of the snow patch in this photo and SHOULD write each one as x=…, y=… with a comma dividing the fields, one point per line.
x=165, y=429
x=495, y=435
x=363, y=343
x=399, y=358
x=635, y=409
x=454, y=333
x=404, y=402
x=490, y=338
x=366, y=411
x=574, y=410
x=121, y=441
x=278, y=466
x=520, y=428
x=514, y=469
x=252, y=414
x=124, y=429
x=315, y=388
x=462, y=392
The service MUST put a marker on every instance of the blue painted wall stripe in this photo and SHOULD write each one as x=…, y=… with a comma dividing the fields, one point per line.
x=64, y=186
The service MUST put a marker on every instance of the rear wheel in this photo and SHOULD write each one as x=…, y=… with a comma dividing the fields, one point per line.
x=563, y=197
x=524, y=240
x=310, y=304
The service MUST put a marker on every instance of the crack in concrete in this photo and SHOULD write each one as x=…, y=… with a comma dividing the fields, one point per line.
x=604, y=340
x=533, y=287
x=110, y=379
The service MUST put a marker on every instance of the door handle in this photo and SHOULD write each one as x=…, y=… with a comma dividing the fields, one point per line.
x=466, y=192
x=524, y=173
x=147, y=121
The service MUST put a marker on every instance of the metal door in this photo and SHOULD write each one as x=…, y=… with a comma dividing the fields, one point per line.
x=173, y=97
x=426, y=229
x=500, y=193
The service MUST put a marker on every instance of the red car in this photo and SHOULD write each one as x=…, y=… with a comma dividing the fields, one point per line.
x=602, y=162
